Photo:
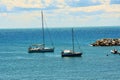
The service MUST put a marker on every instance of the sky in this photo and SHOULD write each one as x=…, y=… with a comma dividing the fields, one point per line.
x=59, y=13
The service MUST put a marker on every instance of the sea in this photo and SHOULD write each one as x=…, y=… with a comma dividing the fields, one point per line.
x=17, y=64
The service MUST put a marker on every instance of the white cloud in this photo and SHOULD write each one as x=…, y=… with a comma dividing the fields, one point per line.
x=73, y=0
x=106, y=8
x=64, y=15
x=113, y=8
x=111, y=15
x=61, y=4
x=94, y=1
x=21, y=20
x=105, y=2
x=10, y=4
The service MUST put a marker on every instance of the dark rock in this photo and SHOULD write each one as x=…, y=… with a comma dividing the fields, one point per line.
x=107, y=42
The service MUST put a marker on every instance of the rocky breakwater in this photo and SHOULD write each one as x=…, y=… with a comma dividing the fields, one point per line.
x=107, y=42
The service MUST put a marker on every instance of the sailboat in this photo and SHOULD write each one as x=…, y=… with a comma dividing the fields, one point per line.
x=40, y=48
x=71, y=53
x=115, y=51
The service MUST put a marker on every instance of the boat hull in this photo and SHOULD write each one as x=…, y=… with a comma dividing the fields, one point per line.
x=71, y=55
x=40, y=50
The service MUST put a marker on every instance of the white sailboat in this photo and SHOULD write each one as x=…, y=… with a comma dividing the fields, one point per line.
x=71, y=53
x=40, y=48
x=115, y=51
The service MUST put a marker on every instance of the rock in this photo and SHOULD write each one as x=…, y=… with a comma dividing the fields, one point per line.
x=107, y=42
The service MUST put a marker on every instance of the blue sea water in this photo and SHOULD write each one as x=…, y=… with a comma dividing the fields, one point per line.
x=17, y=64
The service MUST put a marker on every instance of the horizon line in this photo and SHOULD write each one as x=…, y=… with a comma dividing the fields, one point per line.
x=61, y=27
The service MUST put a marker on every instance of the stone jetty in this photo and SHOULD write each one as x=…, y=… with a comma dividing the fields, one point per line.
x=107, y=42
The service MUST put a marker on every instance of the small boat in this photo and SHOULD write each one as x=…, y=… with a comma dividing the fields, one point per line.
x=71, y=53
x=115, y=51
x=40, y=48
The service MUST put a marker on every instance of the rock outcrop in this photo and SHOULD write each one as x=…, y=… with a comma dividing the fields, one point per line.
x=107, y=42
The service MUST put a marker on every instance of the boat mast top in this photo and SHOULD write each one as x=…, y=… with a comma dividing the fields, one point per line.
x=73, y=39
x=43, y=28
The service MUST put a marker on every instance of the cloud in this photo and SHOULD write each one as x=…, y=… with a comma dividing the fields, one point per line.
x=73, y=5
x=58, y=12
x=11, y=4
x=113, y=8
x=106, y=8
x=59, y=7
x=20, y=20
x=105, y=2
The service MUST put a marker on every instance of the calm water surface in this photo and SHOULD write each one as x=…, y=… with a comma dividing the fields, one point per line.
x=17, y=64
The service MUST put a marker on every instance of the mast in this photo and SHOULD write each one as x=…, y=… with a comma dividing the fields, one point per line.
x=73, y=39
x=43, y=28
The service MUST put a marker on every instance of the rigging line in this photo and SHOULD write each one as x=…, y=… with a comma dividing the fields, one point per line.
x=49, y=33
x=73, y=39
x=42, y=19
x=78, y=43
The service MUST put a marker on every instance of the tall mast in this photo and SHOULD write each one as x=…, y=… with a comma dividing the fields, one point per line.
x=73, y=39
x=43, y=28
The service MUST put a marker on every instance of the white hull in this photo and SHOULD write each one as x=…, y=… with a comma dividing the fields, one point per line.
x=40, y=50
